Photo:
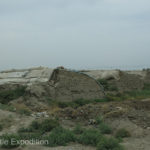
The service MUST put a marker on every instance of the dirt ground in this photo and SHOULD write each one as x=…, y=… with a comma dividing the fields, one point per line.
x=131, y=115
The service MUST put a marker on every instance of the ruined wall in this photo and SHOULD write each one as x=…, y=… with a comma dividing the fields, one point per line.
x=67, y=85
x=129, y=82
x=122, y=80
x=71, y=85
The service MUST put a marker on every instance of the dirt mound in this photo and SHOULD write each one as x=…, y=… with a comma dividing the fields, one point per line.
x=137, y=111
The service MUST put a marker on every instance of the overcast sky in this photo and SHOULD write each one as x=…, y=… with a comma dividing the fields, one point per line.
x=78, y=34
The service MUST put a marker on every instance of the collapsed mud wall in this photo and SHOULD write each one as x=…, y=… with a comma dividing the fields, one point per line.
x=70, y=85
x=128, y=82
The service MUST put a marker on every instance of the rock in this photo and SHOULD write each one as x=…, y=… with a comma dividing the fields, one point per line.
x=92, y=122
x=40, y=115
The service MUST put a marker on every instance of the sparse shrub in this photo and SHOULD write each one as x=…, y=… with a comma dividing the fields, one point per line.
x=78, y=129
x=35, y=125
x=105, y=129
x=146, y=86
x=99, y=120
x=1, y=127
x=44, y=126
x=60, y=137
x=139, y=94
x=48, y=124
x=11, y=140
x=90, y=137
x=7, y=96
x=7, y=107
x=131, y=95
x=109, y=144
x=122, y=133
x=104, y=83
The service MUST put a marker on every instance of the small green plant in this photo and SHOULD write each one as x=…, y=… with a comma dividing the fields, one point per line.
x=122, y=133
x=109, y=144
x=60, y=137
x=10, y=141
x=99, y=120
x=48, y=124
x=1, y=127
x=105, y=129
x=90, y=137
x=78, y=129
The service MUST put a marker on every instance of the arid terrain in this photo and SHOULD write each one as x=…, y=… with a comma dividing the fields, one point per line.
x=88, y=106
